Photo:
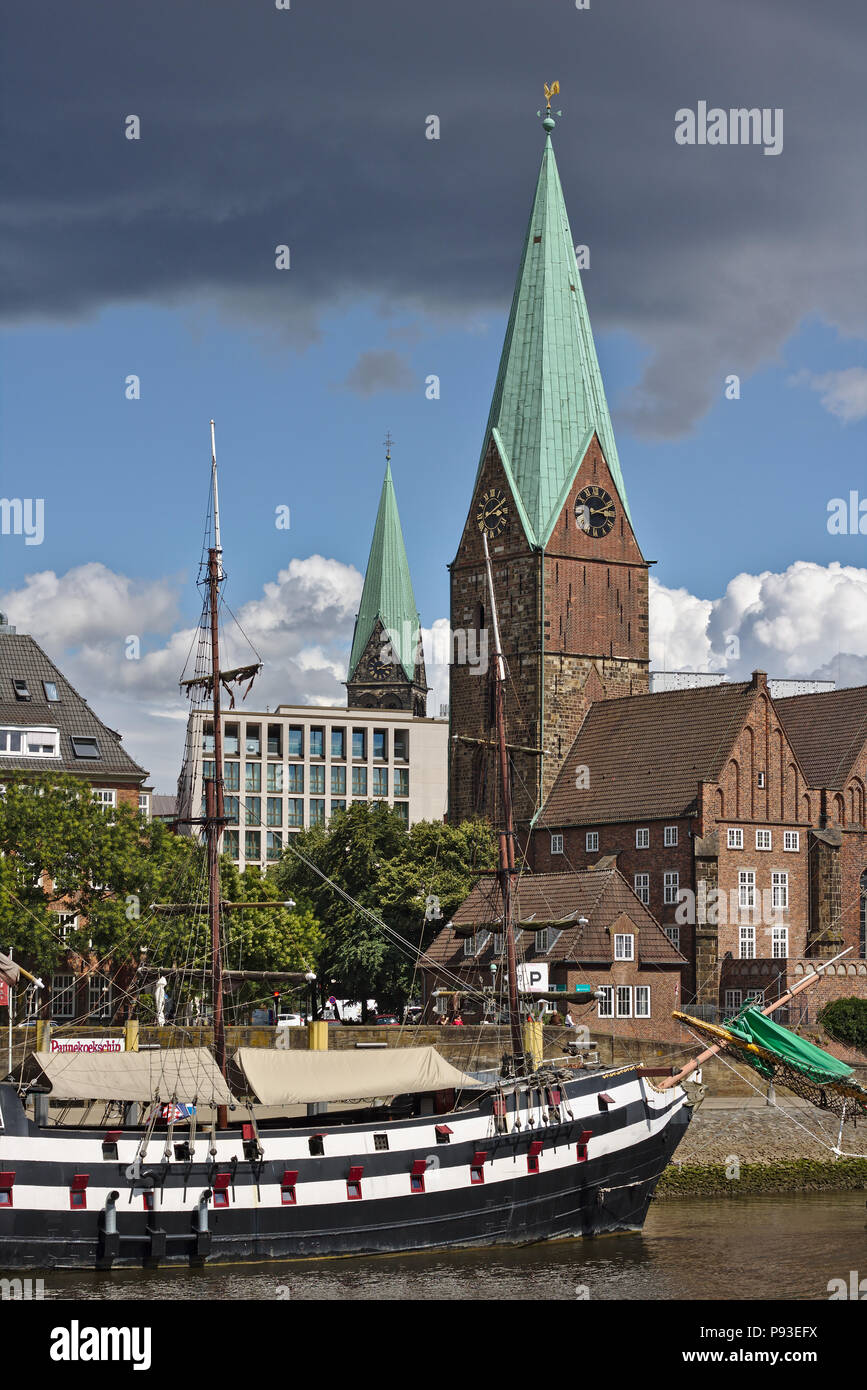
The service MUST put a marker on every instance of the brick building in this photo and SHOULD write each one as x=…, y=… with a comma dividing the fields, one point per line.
x=581, y=928
x=570, y=578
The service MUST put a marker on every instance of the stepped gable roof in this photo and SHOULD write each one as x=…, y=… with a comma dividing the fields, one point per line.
x=603, y=896
x=21, y=658
x=387, y=595
x=827, y=731
x=549, y=397
x=646, y=754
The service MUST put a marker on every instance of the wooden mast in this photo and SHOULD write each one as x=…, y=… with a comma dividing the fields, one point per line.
x=507, y=833
x=214, y=806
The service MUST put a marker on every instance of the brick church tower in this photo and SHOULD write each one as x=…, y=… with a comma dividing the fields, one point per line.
x=569, y=576
x=386, y=664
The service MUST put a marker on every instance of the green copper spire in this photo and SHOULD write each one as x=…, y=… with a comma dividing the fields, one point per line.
x=549, y=395
x=387, y=594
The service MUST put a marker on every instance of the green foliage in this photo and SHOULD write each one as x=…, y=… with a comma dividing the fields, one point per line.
x=57, y=843
x=845, y=1020
x=368, y=852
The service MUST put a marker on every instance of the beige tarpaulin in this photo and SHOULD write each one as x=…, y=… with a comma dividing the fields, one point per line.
x=291, y=1078
x=9, y=971
x=180, y=1073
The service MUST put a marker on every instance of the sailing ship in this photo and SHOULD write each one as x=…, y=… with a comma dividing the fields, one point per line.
x=417, y=1155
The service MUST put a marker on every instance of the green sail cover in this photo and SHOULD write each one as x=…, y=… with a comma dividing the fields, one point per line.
x=751, y=1026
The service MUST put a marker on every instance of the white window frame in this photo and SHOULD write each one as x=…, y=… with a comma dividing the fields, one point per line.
x=642, y=837
x=764, y=840
x=66, y=922
x=605, y=1004
x=470, y=945
x=623, y=995
x=96, y=998
x=761, y=780
x=670, y=887
x=746, y=941
x=779, y=943
x=556, y=844
x=735, y=837
x=642, y=1001
x=41, y=735
x=144, y=805
x=499, y=943
x=544, y=941
x=746, y=890
x=66, y=991
x=780, y=890
x=641, y=887
x=791, y=841
x=732, y=1001
x=105, y=796
x=673, y=934
x=591, y=841
x=624, y=945
x=669, y=838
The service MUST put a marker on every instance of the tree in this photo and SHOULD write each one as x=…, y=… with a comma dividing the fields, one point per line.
x=402, y=876
x=845, y=1020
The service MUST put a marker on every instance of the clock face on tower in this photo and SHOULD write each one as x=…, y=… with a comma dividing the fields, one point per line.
x=492, y=514
x=595, y=510
x=380, y=670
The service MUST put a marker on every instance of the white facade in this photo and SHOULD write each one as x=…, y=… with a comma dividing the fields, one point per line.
x=293, y=767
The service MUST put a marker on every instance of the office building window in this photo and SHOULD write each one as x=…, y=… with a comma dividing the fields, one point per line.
x=232, y=777
x=359, y=781
x=275, y=741
x=209, y=769
x=208, y=738
x=274, y=810
x=338, y=781
x=230, y=806
x=295, y=778
x=253, y=777
x=295, y=741
x=231, y=740
x=295, y=812
x=275, y=777
x=253, y=740
x=401, y=745
x=317, y=812
x=338, y=744
x=401, y=781
x=401, y=808
x=317, y=742
x=380, y=744
x=380, y=781
x=359, y=743
x=230, y=844
x=252, y=844
x=337, y=804
x=253, y=810
x=273, y=844
x=317, y=781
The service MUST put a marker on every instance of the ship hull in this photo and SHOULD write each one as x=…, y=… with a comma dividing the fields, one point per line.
x=585, y=1167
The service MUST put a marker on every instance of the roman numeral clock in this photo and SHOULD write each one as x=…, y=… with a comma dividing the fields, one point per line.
x=595, y=511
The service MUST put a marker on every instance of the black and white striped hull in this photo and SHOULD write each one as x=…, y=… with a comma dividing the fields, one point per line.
x=539, y=1182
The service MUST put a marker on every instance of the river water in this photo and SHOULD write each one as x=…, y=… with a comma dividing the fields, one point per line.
x=777, y=1247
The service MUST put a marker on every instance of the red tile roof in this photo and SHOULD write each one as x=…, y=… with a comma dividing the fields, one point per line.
x=646, y=754
x=827, y=731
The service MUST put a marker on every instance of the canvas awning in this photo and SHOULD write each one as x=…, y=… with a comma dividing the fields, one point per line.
x=187, y=1074
x=276, y=1077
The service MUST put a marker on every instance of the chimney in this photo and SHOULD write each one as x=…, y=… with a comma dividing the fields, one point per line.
x=759, y=680
x=5, y=629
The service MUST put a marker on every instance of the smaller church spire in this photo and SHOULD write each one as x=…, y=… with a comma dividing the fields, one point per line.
x=388, y=620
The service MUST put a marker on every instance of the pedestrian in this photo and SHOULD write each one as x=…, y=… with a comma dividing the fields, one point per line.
x=569, y=1021
x=458, y=1021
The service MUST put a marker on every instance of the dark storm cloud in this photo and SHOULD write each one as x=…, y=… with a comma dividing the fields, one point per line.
x=306, y=126
x=380, y=371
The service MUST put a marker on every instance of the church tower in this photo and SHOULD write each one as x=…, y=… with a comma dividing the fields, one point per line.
x=386, y=664
x=570, y=580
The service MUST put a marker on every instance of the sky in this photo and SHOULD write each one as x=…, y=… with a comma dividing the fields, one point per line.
x=307, y=127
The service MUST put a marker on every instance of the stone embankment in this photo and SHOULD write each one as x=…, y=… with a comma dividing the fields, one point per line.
x=737, y=1147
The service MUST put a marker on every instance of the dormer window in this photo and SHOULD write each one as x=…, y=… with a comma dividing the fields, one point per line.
x=624, y=946
x=32, y=743
x=50, y=689
x=84, y=747
x=21, y=690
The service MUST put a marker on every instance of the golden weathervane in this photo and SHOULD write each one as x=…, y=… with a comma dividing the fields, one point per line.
x=550, y=92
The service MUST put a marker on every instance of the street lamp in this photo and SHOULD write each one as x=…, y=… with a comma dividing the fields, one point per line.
x=310, y=977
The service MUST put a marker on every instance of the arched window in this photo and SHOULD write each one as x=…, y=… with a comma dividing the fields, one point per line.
x=862, y=939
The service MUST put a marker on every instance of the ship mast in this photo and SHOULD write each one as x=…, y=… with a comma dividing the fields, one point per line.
x=507, y=869
x=214, y=807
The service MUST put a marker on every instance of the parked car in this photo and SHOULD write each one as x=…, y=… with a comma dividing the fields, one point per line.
x=290, y=1020
x=389, y=1019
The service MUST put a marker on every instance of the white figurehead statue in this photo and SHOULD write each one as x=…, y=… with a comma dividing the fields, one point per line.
x=160, y=999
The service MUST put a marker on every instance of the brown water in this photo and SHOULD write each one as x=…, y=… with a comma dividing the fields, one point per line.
x=780, y=1247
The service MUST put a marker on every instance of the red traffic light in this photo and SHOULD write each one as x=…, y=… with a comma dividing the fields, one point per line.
x=276, y=994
